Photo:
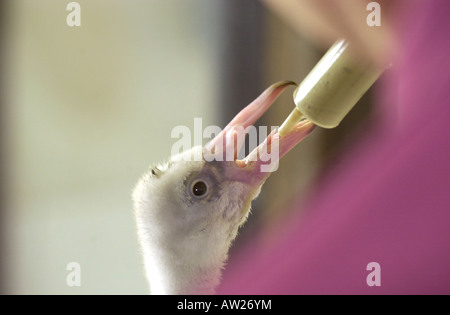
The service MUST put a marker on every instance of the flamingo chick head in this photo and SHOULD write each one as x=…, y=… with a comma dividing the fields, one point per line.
x=188, y=210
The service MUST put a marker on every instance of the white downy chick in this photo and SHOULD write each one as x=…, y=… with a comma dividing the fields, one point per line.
x=189, y=209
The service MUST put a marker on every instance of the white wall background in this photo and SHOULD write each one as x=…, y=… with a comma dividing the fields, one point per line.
x=89, y=109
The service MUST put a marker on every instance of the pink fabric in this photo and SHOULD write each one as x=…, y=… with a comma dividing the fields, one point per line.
x=387, y=200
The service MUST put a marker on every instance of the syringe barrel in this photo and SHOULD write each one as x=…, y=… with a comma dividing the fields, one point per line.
x=335, y=85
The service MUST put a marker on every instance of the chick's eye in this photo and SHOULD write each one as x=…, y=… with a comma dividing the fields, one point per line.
x=199, y=188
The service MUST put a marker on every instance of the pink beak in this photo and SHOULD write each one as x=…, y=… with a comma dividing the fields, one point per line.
x=264, y=158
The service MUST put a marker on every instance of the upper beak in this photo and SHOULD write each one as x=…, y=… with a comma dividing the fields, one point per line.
x=264, y=158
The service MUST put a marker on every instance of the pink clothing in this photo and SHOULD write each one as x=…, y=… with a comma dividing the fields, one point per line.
x=386, y=200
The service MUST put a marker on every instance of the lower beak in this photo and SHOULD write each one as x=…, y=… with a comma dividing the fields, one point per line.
x=264, y=158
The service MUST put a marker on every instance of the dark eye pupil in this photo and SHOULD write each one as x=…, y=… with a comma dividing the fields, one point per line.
x=199, y=189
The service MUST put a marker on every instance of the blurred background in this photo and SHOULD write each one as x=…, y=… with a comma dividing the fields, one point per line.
x=85, y=110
